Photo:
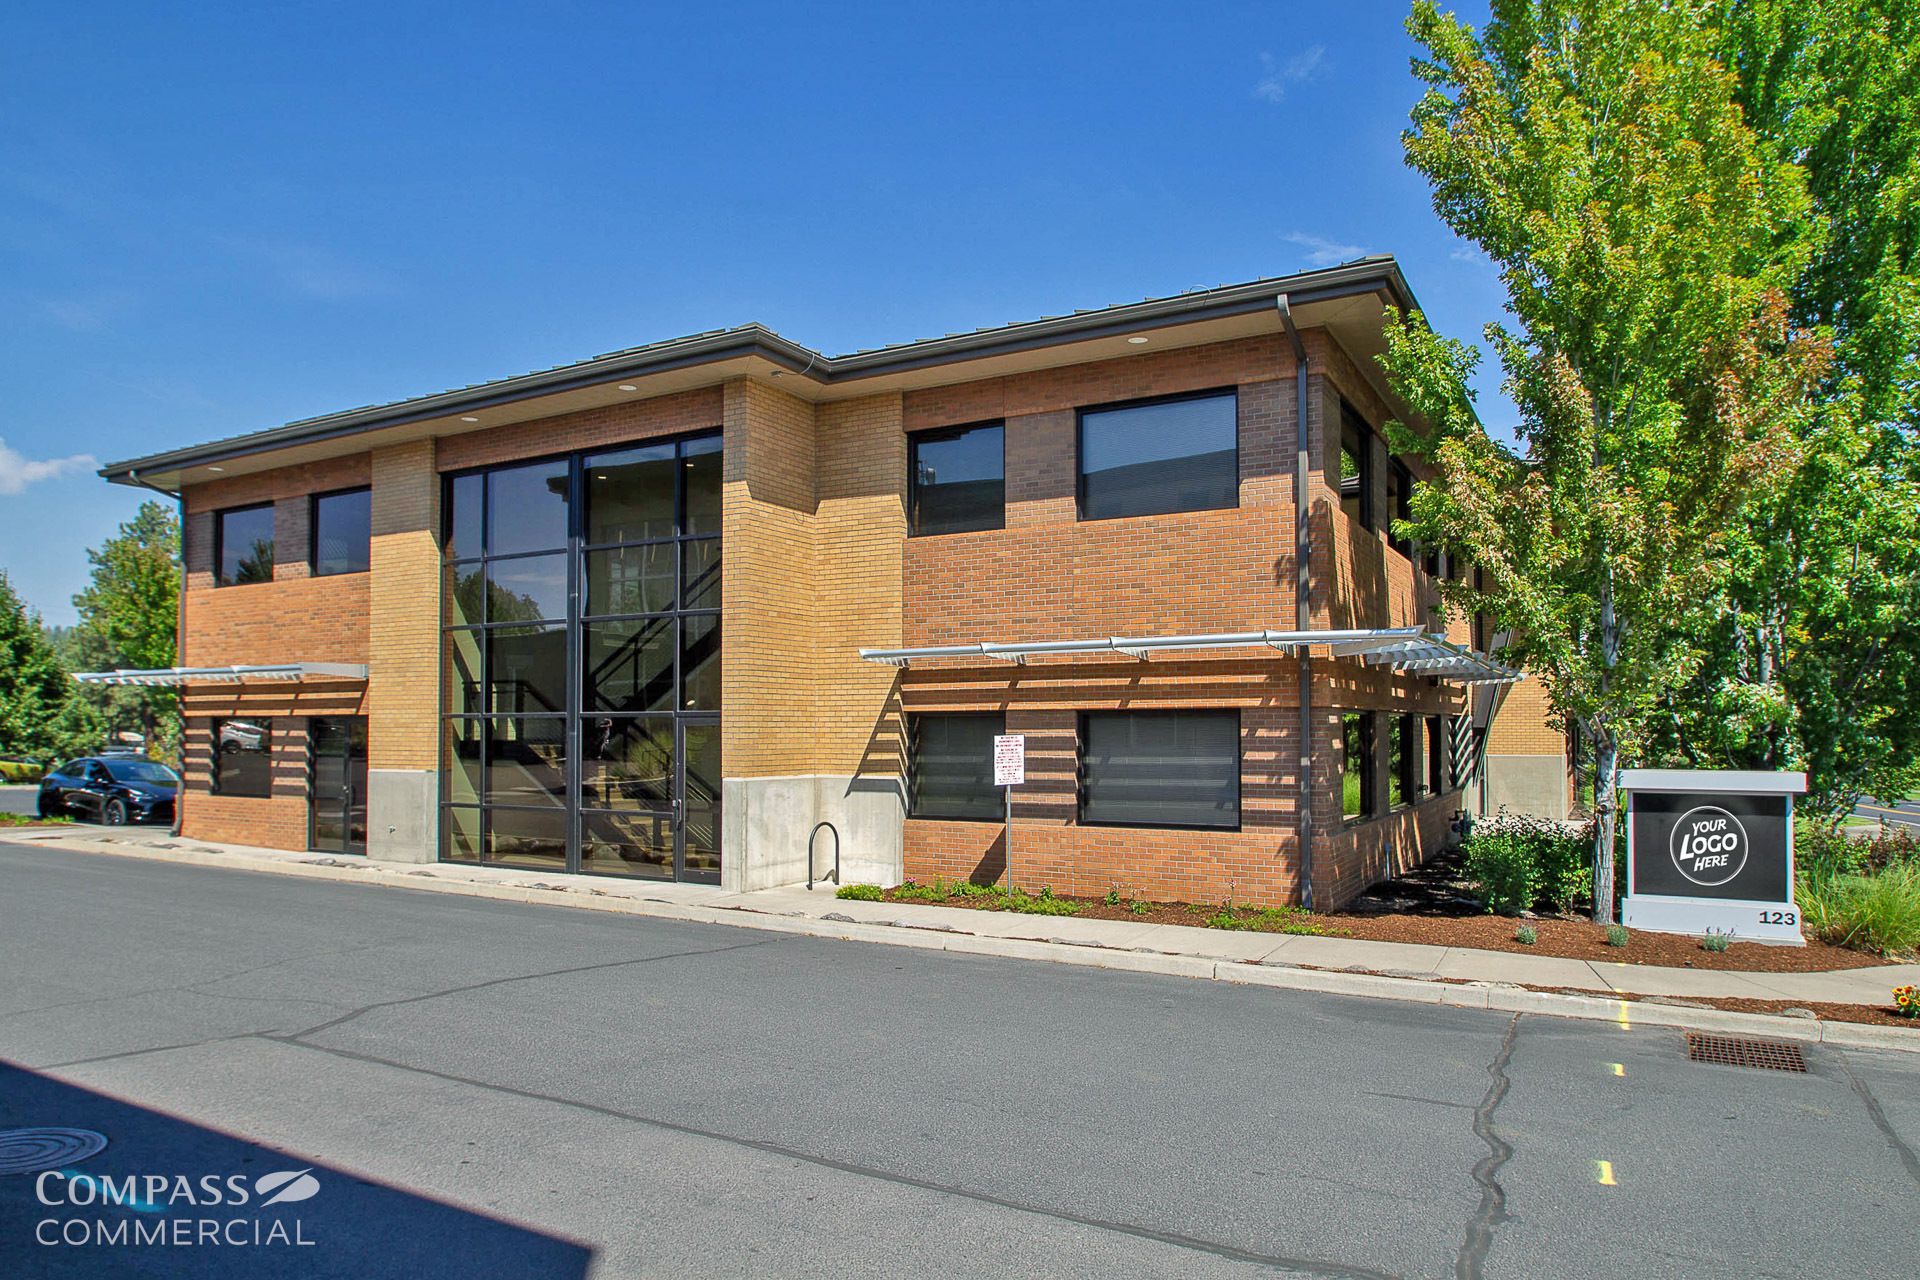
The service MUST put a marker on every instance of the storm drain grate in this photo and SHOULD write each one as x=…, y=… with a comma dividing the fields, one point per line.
x=1738, y=1051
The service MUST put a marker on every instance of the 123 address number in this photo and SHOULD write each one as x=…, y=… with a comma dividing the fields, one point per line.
x=1778, y=917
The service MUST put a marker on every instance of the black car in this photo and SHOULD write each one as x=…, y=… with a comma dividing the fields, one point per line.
x=112, y=789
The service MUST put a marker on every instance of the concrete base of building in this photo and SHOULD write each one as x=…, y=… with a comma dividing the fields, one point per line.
x=768, y=821
x=403, y=815
x=1527, y=784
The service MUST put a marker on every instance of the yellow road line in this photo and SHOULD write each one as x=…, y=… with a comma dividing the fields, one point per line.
x=1603, y=1172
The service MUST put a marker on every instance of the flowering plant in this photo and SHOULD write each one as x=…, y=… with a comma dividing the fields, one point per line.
x=1907, y=1000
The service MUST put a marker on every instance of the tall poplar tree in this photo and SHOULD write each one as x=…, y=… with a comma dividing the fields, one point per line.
x=1594, y=151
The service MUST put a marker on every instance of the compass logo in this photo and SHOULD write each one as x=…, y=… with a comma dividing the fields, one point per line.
x=1709, y=845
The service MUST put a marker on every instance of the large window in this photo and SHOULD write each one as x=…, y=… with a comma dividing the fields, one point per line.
x=950, y=767
x=243, y=545
x=1160, y=768
x=1163, y=455
x=583, y=662
x=242, y=758
x=342, y=532
x=1356, y=467
x=1356, y=765
x=958, y=478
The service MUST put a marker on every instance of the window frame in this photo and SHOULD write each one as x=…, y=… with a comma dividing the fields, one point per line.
x=1350, y=418
x=1367, y=723
x=914, y=721
x=1400, y=498
x=313, y=530
x=220, y=541
x=267, y=730
x=473, y=817
x=914, y=439
x=1080, y=413
x=1239, y=771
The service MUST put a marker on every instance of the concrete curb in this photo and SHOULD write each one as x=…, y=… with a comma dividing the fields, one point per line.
x=1472, y=995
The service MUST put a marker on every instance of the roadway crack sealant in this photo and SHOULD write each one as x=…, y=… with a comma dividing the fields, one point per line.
x=1493, y=1197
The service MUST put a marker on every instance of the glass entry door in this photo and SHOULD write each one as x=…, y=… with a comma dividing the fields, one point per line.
x=337, y=783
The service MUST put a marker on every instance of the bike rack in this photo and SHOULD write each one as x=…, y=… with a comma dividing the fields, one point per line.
x=836, y=852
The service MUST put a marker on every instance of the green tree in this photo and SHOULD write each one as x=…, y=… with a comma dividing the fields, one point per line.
x=1812, y=655
x=1645, y=238
x=129, y=613
x=33, y=686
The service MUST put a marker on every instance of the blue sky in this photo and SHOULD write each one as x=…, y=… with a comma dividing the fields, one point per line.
x=216, y=219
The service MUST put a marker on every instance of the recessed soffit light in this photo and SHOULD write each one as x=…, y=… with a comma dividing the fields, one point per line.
x=216, y=468
x=1137, y=341
x=467, y=417
x=628, y=386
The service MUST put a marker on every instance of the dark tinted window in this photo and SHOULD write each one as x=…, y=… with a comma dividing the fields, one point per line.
x=1160, y=768
x=464, y=500
x=1437, y=779
x=1177, y=455
x=950, y=772
x=140, y=771
x=527, y=588
x=630, y=495
x=958, y=479
x=342, y=532
x=1399, y=491
x=242, y=757
x=1403, y=761
x=1356, y=467
x=1356, y=767
x=701, y=471
x=527, y=669
x=527, y=508
x=243, y=546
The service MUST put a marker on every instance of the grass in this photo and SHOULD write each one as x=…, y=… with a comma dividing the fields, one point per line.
x=1865, y=912
x=28, y=820
x=991, y=897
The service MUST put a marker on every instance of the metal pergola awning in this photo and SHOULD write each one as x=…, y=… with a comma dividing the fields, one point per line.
x=279, y=671
x=1408, y=649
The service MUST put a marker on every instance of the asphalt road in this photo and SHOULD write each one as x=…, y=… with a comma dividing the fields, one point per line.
x=481, y=1088
x=1894, y=813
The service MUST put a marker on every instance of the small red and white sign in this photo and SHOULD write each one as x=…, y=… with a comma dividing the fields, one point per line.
x=1010, y=760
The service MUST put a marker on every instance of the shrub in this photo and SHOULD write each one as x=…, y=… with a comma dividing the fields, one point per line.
x=1716, y=941
x=911, y=892
x=860, y=893
x=1866, y=912
x=1504, y=870
x=1140, y=906
x=1617, y=935
x=1515, y=861
x=1113, y=895
x=1526, y=935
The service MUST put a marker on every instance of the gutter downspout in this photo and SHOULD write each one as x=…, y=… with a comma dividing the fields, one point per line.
x=179, y=642
x=1302, y=595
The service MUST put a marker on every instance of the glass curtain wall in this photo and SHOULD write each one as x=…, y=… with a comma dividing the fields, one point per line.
x=583, y=663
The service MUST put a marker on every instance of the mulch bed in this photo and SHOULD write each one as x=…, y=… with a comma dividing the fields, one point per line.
x=1432, y=906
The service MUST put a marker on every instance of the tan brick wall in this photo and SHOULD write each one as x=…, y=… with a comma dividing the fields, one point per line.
x=768, y=593
x=859, y=532
x=403, y=694
x=1523, y=724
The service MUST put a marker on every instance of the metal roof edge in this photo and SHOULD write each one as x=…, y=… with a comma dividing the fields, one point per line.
x=1379, y=273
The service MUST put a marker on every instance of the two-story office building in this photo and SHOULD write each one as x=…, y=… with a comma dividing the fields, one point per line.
x=662, y=612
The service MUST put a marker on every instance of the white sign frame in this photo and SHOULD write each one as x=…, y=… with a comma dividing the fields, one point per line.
x=1746, y=921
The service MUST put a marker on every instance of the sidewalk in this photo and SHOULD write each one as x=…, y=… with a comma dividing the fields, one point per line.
x=1449, y=975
